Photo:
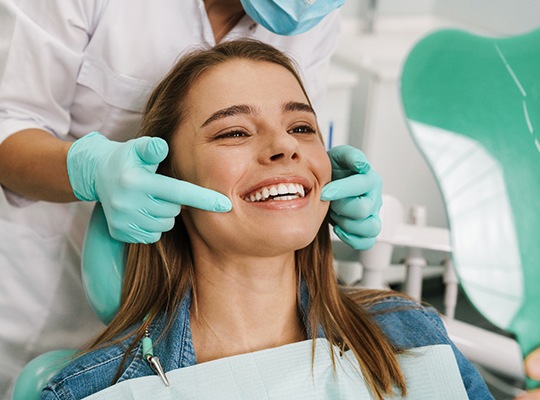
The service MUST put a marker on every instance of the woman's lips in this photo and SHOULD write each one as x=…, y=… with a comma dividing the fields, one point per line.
x=278, y=188
x=277, y=192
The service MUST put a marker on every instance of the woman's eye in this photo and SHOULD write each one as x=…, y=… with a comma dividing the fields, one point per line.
x=232, y=134
x=303, y=129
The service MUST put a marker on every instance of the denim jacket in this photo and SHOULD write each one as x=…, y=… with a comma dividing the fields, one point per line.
x=405, y=323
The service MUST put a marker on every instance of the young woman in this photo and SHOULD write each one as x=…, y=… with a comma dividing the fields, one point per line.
x=238, y=121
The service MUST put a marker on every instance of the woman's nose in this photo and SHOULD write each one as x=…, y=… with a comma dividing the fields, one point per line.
x=281, y=146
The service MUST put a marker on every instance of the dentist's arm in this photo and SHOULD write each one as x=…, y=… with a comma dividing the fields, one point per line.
x=33, y=165
x=356, y=197
x=138, y=203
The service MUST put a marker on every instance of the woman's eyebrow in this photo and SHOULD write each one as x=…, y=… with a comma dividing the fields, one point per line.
x=297, y=106
x=229, y=112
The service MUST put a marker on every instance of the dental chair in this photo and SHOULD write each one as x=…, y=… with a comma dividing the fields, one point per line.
x=472, y=106
x=102, y=271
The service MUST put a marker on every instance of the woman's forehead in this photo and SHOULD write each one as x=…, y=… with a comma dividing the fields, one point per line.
x=241, y=80
x=240, y=70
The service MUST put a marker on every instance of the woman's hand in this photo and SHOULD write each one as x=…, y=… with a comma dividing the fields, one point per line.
x=356, y=198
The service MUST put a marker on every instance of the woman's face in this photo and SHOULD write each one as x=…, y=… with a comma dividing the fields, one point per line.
x=250, y=134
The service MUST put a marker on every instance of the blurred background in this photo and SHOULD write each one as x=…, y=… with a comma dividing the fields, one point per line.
x=364, y=108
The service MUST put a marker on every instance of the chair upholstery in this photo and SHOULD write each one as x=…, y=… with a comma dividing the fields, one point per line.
x=472, y=104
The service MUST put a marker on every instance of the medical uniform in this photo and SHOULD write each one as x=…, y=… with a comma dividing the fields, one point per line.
x=72, y=67
x=406, y=324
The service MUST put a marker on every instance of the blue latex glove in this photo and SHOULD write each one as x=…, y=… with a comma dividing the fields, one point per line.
x=138, y=203
x=356, y=197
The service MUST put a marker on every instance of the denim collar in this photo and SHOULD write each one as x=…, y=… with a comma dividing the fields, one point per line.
x=175, y=348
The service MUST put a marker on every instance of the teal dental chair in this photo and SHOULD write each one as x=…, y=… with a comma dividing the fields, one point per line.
x=102, y=272
x=472, y=105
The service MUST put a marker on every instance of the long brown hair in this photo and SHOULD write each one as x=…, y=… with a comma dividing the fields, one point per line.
x=158, y=276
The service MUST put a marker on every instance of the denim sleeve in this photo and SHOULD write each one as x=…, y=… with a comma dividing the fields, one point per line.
x=408, y=325
x=48, y=395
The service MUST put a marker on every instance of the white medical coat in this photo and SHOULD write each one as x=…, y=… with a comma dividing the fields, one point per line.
x=72, y=67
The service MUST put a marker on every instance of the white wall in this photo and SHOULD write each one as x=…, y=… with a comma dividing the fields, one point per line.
x=498, y=16
x=390, y=7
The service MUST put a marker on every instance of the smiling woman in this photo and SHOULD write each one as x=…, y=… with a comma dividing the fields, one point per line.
x=260, y=138
x=237, y=120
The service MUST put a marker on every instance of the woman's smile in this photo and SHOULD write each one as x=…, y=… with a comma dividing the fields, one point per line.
x=279, y=193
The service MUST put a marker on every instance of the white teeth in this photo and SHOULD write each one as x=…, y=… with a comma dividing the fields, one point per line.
x=292, y=188
x=283, y=198
x=288, y=191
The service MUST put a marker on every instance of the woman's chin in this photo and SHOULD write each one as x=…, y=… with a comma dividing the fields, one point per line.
x=285, y=243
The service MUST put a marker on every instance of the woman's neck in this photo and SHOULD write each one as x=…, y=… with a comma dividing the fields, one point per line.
x=223, y=16
x=244, y=305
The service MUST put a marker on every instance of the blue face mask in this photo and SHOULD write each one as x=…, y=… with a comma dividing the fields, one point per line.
x=289, y=17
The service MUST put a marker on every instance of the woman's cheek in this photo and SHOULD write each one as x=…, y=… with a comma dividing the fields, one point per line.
x=223, y=173
x=325, y=167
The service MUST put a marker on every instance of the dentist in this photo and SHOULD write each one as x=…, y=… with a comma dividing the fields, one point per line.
x=74, y=77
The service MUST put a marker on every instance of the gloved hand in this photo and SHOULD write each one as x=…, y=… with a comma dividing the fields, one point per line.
x=138, y=203
x=356, y=197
